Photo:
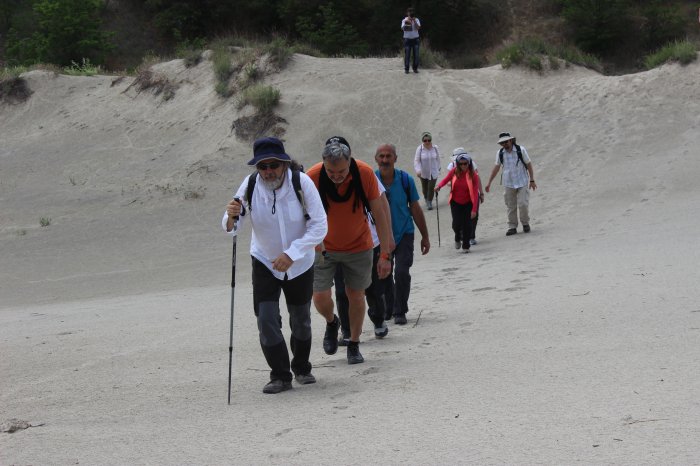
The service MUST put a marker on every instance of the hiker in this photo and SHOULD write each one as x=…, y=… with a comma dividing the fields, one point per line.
x=426, y=163
x=405, y=209
x=410, y=26
x=376, y=294
x=348, y=189
x=282, y=251
x=463, y=200
x=456, y=153
x=517, y=177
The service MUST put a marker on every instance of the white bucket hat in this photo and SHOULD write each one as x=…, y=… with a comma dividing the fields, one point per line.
x=503, y=137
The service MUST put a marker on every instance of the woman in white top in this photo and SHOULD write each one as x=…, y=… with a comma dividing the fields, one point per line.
x=427, y=166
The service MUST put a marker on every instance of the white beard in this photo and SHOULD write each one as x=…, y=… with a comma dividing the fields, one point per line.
x=273, y=184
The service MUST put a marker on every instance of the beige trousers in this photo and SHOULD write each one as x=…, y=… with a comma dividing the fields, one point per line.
x=517, y=199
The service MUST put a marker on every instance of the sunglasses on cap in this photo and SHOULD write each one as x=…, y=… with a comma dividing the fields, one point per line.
x=271, y=165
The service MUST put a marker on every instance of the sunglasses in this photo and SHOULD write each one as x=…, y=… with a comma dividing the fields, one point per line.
x=463, y=164
x=427, y=140
x=270, y=165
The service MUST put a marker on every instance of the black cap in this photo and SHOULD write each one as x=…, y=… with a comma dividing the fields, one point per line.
x=338, y=140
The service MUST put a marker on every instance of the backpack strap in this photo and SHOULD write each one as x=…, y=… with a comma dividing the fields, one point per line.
x=252, y=179
x=518, y=150
x=296, y=186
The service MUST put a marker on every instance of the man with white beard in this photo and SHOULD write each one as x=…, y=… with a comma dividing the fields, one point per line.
x=287, y=226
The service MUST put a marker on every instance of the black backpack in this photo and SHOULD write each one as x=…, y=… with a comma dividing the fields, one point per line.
x=296, y=185
x=517, y=149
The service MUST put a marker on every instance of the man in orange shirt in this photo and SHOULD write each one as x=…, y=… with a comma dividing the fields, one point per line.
x=347, y=187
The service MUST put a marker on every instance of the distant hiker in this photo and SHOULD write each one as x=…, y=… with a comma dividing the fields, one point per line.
x=410, y=26
x=405, y=210
x=426, y=163
x=517, y=177
x=456, y=153
x=282, y=250
x=348, y=189
x=463, y=200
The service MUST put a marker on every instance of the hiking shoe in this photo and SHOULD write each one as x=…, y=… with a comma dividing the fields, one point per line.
x=388, y=316
x=415, y=71
x=380, y=331
x=343, y=339
x=400, y=319
x=465, y=251
x=277, y=386
x=511, y=231
x=330, y=339
x=458, y=244
x=406, y=71
x=305, y=379
x=472, y=242
x=430, y=205
x=354, y=356
x=526, y=228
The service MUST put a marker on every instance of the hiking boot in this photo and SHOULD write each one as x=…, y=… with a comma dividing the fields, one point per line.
x=458, y=244
x=406, y=71
x=354, y=356
x=305, y=379
x=277, y=386
x=330, y=339
x=472, y=242
x=343, y=339
x=430, y=205
x=380, y=331
x=526, y=228
x=400, y=319
x=511, y=231
x=465, y=251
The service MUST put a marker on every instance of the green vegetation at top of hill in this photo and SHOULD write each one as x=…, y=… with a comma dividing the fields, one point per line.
x=462, y=33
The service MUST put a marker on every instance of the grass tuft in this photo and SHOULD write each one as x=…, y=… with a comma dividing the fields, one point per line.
x=683, y=52
x=263, y=98
x=85, y=68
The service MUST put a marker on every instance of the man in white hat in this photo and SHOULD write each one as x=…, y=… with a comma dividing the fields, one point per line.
x=516, y=179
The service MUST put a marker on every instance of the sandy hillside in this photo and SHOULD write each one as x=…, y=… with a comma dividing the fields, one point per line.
x=579, y=342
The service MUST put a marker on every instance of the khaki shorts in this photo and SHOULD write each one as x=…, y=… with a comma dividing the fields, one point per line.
x=357, y=269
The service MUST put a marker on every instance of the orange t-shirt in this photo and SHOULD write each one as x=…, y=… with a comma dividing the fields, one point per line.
x=348, y=231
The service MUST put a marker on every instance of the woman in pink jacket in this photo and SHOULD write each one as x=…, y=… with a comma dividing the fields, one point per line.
x=464, y=198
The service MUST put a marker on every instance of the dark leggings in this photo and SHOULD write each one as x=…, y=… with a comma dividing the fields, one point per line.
x=462, y=222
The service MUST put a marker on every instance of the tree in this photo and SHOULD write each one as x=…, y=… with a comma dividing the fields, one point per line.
x=598, y=25
x=66, y=31
x=332, y=32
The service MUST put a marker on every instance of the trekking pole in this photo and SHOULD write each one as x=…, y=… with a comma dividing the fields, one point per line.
x=233, y=290
x=437, y=210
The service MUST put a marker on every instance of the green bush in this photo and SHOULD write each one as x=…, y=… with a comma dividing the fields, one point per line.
x=683, y=52
x=430, y=58
x=528, y=52
x=85, y=68
x=280, y=53
x=263, y=98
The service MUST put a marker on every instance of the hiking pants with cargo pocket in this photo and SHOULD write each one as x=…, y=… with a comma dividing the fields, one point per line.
x=297, y=293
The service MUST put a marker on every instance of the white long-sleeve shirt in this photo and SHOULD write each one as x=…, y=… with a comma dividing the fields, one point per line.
x=286, y=230
x=427, y=162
